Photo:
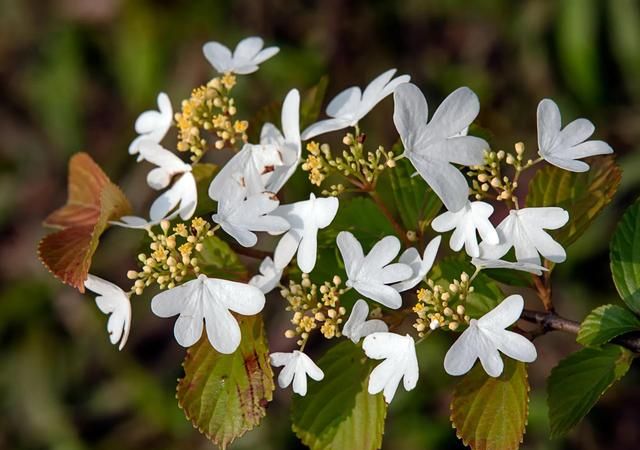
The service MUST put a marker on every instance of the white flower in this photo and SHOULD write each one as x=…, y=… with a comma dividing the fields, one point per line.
x=563, y=148
x=112, y=300
x=434, y=147
x=349, y=106
x=134, y=222
x=523, y=229
x=249, y=53
x=370, y=275
x=208, y=300
x=240, y=216
x=471, y=218
x=181, y=199
x=400, y=362
x=419, y=266
x=268, y=165
x=297, y=366
x=357, y=326
x=288, y=142
x=480, y=263
x=248, y=170
x=153, y=125
x=305, y=218
x=269, y=276
x=488, y=335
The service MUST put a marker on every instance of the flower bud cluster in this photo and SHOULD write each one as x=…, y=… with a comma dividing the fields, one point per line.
x=314, y=307
x=210, y=109
x=361, y=167
x=173, y=256
x=489, y=177
x=442, y=306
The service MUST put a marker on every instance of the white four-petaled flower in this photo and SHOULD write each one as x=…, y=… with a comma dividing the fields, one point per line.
x=563, y=147
x=305, y=218
x=153, y=125
x=208, y=300
x=472, y=218
x=486, y=337
x=370, y=275
x=269, y=276
x=400, y=363
x=248, y=54
x=435, y=146
x=523, y=229
x=419, y=266
x=112, y=300
x=349, y=106
x=357, y=326
x=297, y=366
x=240, y=216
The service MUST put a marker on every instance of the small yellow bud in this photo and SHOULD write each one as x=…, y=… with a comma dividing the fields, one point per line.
x=132, y=274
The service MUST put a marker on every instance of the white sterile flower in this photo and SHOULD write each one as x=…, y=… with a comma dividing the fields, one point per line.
x=435, y=146
x=269, y=276
x=472, y=218
x=248, y=170
x=249, y=53
x=153, y=125
x=400, y=362
x=523, y=230
x=169, y=165
x=370, y=275
x=480, y=263
x=240, y=216
x=357, y=326
x=486, y=336
x=305, y=218
x=112, y=300
x=208, y=300
x=563, y=147
x=297, y=366
x=288, y=142
x=181, y=199
x=349, y=106
x=419, y=266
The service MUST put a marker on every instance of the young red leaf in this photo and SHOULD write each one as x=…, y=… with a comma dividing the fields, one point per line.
x=93, y=201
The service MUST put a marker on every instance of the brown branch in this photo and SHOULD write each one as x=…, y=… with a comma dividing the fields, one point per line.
x=550, y=321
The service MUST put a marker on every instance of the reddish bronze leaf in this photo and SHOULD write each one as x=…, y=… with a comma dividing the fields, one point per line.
x=93, y=201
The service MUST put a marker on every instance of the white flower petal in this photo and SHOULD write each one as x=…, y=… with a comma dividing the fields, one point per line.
x=463, y=354
x=114, y=301
x=505, y=314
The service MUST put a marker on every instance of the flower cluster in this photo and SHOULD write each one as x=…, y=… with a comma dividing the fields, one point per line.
x=488, y=179
x=210, y=109
x=439, y=307
x=173, y=255
x=246, y=191
x=314, y=307
x=359, y=166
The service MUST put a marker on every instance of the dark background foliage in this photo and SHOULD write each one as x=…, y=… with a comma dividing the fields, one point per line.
x=75, y=74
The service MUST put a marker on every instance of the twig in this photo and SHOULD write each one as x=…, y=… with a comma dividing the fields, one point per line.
x=550, y=321
x=401, y=232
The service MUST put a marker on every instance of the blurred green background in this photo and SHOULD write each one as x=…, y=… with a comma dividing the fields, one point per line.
x=74, y=75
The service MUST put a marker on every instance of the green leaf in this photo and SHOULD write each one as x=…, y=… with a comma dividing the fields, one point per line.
x=491, y=413
x=414, y=200
x=625, y=257
x=217, y=260
x=606, y=322
x=225, y=396
x=486, y=295
x=584, y=195
x=204, y=173
x=576, y=384
x=338, y=413
x=311, y=102
x=361, y=216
